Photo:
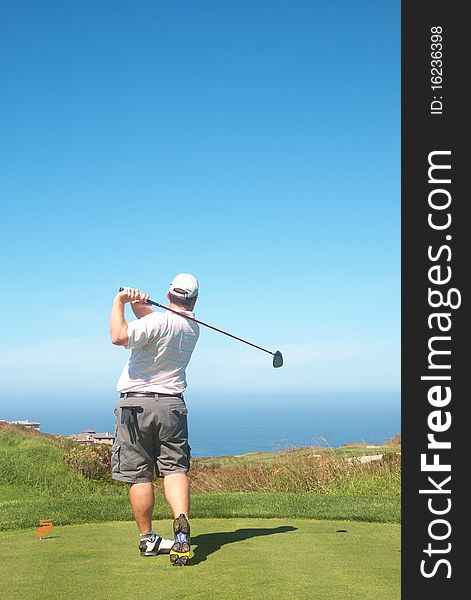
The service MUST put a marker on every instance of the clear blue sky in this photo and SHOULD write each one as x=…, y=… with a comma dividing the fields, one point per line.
x=254, y=144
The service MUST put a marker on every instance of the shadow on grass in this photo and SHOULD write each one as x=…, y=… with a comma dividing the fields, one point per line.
x=208, y=543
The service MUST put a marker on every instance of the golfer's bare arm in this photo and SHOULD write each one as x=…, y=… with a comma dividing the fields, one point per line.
x=118, y=324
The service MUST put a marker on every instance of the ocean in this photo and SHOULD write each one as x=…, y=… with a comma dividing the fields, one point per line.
x=231, y=424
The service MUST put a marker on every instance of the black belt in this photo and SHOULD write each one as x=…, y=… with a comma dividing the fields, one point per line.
x=148, y=395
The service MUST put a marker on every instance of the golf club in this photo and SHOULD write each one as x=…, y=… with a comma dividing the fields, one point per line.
x=277, y=356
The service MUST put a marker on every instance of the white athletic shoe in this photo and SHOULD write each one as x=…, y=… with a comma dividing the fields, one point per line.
x=154, y=546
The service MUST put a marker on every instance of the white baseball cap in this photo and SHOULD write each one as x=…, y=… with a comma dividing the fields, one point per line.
x=184, y=285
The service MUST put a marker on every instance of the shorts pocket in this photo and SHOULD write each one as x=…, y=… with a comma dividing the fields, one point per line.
x=177, y=414
x=178, y=421
x=115, y=458
x=172, y=419
x=115, y=427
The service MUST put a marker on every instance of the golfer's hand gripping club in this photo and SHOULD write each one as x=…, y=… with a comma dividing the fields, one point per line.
x=277, y=356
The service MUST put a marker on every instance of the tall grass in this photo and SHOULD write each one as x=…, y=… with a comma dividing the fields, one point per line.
x=302, y=470
x=45, y=476
x=396, y=440
x=56, y=466
x=38, y=462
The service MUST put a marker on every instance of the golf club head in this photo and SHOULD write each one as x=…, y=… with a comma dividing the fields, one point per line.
x=277, y=359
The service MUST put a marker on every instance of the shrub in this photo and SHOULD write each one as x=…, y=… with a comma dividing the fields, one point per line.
x=91, y=461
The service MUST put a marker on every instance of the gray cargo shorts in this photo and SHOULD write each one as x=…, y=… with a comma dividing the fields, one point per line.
x=151, y=436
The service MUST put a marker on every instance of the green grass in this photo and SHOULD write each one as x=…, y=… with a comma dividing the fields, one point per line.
x=232, y=559
x=37, y=484
x=14, y=492
x=245, y=544
x=251, y=458
x=26, y=511
x=37, y=462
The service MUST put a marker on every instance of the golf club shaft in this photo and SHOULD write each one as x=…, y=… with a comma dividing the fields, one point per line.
x=206, y=325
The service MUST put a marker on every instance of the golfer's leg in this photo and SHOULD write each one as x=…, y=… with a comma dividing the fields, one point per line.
x=177, y=492
x=142, y=499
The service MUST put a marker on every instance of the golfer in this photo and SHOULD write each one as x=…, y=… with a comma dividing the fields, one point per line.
x=151, y=433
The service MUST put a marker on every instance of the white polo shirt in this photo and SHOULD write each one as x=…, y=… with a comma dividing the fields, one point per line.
x=161, y=345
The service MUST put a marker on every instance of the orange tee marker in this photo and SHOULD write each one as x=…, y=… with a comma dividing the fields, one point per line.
x=45, y=528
